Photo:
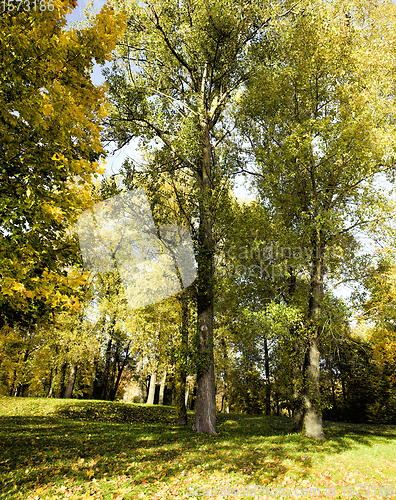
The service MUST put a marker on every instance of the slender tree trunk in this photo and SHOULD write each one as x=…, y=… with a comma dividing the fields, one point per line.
x=187, y=394
x=313, y=426
x=181, y=373
x=298, y=410
x=344, y=393
x=106, y=373
x=51, y=389
x=151, y=394
x=299, y=370
x=71, y=381
x=14, y=377
x=93, y=380
x=267, y=379
x=225, y=397
x=276, y=395
x=113, y=373
x=120, y=371
x=189, y=380
x=162, y=388
x=205, y=409
x=333, y=391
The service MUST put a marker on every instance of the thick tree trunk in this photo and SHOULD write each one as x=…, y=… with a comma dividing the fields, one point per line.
x=205, y=409
x=61, y=388
x=312, y=425
x=151, y=394
x=313, y=414
x=71, y=381
x=162, y=388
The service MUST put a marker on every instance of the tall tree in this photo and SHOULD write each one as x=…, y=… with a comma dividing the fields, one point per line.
x=319, y=115
x=179, y=66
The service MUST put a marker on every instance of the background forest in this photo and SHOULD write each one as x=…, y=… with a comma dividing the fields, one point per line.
x=295, y=99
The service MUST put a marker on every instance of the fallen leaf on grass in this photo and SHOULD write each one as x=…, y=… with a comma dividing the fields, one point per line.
x=119, y=495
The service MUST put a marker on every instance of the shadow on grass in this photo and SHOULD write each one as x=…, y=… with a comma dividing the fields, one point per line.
x=139, y=444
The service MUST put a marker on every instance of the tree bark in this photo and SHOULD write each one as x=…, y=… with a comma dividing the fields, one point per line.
x=205, y=409
x=313, y=426
x=120, y=371
x=14, y=377
x=71, y=381
x=298, y=410
x=61, y=388
x=93, y=380
x=181, y=373
x=151, y=394
x=162, y=388
x=106, y=373
x=51, y=389
x=267, y=379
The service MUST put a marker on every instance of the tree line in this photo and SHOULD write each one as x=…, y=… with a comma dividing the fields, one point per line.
x=296, y=97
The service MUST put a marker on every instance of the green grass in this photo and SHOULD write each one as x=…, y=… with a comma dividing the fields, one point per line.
x=67, y=449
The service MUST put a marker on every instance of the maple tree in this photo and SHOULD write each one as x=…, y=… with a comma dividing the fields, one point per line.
x=50, y=150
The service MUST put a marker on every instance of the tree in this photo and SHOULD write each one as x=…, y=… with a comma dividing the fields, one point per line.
x=319, y=117
x=179, y=66
x=50, y=147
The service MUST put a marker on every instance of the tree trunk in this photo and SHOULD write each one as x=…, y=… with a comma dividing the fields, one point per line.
x=151, y=394
x=71, y=381
x=299, y=370
x=276, y=396
x=52, y=385
x=205, y=409
x=93, y=380
x=61, y=389
x=344, y=394
x=298, y=411
x=14, y=377
x=181, y=373
x=120, y=371
x=267, y=379
x=333, y=391
x=313, y=426
x=106, y=373
x=162, y=388
x=313, y=415
x=187, y=392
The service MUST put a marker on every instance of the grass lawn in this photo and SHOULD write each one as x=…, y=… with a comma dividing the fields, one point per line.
x=58, y=449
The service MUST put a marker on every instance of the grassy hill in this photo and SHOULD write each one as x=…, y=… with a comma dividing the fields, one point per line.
x=68, y=449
